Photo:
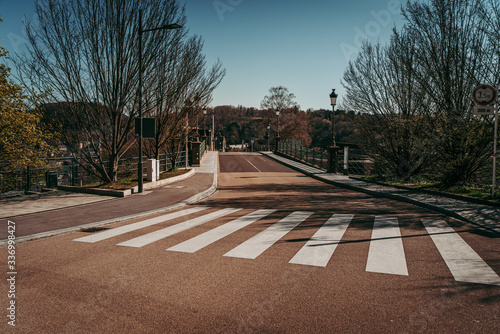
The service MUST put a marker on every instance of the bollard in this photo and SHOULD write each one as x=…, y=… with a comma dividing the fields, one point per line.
x=346, y=160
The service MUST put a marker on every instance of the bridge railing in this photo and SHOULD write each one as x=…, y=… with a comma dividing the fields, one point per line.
x=67, y=171
x=350, y=158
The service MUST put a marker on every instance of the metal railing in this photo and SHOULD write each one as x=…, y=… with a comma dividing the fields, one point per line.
x=203, y=147
x=350, y=159
x=67, y=171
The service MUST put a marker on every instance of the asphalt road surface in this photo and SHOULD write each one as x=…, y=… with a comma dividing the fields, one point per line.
x=272, y=251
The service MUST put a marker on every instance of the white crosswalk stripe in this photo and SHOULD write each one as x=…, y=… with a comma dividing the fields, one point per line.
x=194, y=244
x=319, y=249
x=256, y=245
x=386, y=253
x=464, y=263
x=174, y=229
x=136, y=226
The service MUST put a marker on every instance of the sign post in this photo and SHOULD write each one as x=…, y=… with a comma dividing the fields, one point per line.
x=485, y=95
x=495, y=150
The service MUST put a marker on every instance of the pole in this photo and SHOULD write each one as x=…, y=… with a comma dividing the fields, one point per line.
x=212, y=146
x=186, y=158
x=139, y=166
x=28, y=178
x=332, y=150
x=333, y=125
x=278, y=126
x=495, y=148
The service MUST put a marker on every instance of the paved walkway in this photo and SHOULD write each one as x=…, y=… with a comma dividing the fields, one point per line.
x=43, y=215
x=52, y=200
x=479, y=214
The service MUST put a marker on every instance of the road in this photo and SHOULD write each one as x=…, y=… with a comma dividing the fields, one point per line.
x=272, y=251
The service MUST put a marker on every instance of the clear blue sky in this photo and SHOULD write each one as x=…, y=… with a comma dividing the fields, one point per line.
x=304, y=45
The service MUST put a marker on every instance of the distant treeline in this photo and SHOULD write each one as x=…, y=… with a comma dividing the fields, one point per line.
x=313, y=127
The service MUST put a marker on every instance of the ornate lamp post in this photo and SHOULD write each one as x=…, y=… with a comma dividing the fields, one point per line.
x=142, y=31
x=204, y=123
x=268, y=135
x=277, y=129
x=278, y=122
x=212, y=145
x=332, y=150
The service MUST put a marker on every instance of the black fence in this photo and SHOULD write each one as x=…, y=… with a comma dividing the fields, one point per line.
x=349, y=159
x=67, y=171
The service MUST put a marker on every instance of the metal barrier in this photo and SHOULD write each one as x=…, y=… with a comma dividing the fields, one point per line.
x=69, y=172
x=350, y=159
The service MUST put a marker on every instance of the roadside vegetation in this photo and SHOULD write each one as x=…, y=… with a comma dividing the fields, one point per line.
x=417, y=91
x=407, y=104
x=130, y=182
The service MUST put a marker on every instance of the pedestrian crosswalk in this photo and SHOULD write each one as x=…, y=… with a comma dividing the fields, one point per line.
x=195, y=244
x=464, y=263
x=174, y=229
x=319, y=249
x=256, y=245
x=386, y=251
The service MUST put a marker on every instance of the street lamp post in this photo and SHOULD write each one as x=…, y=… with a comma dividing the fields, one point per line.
x=204, y=123
x=142, y=31
x=212, y=146
x=268, y=135
x=332, y=150
x=186, y=156
x=278, y=121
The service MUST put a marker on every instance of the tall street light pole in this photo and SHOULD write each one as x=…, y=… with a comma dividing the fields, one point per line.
x=212, y=146
x=332, y=152
x=278, y=122
x=268, y=135
x=142, y=31
x=277, y=130
x=205, y=124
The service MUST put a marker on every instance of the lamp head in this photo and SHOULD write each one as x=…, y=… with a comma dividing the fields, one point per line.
x=333, y=97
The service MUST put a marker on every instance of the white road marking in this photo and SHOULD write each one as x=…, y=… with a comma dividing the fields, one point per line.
x=250, y=163
x=386, y=254
x=174, y=229
x=256, y=245
x=319, y=249
x=194, y=244
x=464, y=263
x=136, y=226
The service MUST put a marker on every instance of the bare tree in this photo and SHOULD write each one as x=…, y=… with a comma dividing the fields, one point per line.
x=85, y=53
x=418, y=89
x=181, y=87
x=279, y=98
x=381, y=81
x=489, y=13
x=452, y=59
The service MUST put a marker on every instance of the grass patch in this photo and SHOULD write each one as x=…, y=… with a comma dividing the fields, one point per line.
x=470, y=191
x=127, y=183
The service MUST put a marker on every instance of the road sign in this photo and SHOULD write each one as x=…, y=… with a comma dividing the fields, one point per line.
x=484, y=110
x=148, y=127
x=484, y=95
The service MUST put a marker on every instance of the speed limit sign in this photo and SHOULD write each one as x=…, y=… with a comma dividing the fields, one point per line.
x=484, y=95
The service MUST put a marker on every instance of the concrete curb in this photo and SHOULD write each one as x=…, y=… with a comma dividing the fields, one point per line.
x=127, y=192
x=193, y=199
x=396, y=197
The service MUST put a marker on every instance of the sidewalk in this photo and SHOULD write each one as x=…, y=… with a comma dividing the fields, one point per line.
x=39, y=216
x=483, y=215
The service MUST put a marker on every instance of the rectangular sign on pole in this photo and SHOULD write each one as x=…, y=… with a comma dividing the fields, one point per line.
x=148, y=127
x=484, y=110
